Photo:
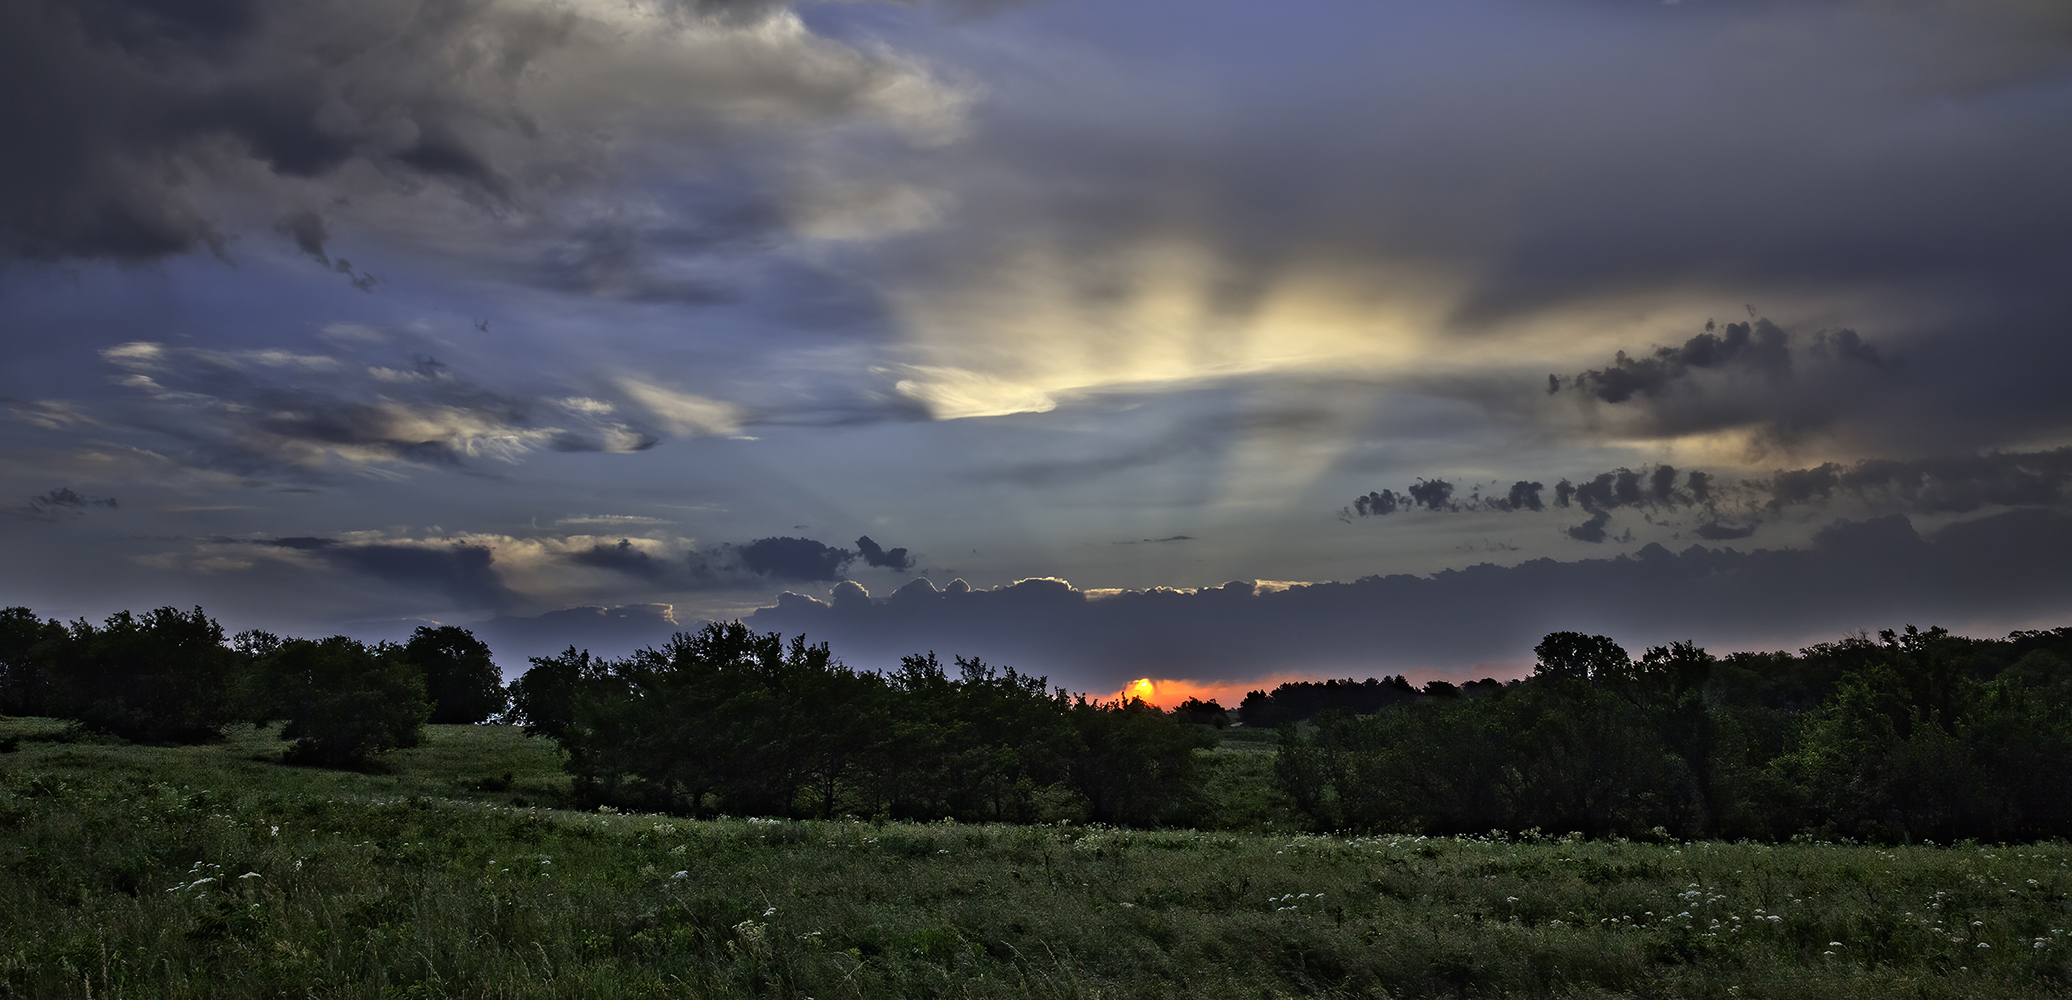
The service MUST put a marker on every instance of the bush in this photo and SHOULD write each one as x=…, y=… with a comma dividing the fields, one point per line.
x=164, y=676
x=345, y=703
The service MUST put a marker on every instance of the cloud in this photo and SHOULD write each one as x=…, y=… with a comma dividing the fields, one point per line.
x=500, y=114
x=461, y=572
x=1754, y=378
x=63, y=502
x=610, y=631
x=788, y=558
x=1591, y=531
x=49, y=414
x=1868, y=574
x=257, y=412
x=681, y=413
x=886, y=559
x=1762, y=348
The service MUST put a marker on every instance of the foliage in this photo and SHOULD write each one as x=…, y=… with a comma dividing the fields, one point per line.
x=207, y=873
x=344, y=703
x=725, y=719
x=459, y=674
x=1916, y=735
x=25, y=683
x=164, y=676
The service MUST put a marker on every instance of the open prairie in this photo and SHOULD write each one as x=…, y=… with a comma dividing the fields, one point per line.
x=217, y=871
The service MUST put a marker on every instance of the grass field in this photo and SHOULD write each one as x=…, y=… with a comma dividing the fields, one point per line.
x=216, y=871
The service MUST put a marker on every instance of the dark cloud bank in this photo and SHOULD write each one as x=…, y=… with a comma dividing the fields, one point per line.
x=2006, y=568
x=1958, y=484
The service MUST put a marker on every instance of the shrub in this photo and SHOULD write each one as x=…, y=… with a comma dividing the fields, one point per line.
x=345, y=703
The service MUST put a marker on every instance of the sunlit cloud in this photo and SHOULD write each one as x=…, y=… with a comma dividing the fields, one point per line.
x=683, y=413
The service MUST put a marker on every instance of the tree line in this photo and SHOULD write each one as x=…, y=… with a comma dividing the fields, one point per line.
x=728, y=720
x=718, y=720
x=1909, y=736
x=169, y=676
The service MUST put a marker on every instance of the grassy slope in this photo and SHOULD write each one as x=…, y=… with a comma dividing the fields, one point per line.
x=214, y=871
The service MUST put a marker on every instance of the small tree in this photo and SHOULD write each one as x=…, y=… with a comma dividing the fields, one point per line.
x=459, y=675
x=345, y=703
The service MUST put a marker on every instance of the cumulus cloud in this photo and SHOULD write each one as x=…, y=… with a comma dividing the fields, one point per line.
x=875, y=555
x=1753, y=378
x=1593, y=530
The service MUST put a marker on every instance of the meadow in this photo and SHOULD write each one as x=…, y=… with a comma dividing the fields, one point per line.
x=452, y=871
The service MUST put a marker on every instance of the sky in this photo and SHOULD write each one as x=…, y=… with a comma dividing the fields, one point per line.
x=1211, y=342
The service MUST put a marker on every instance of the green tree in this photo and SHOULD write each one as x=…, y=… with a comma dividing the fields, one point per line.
x=1138, y=766
x=543, y=699
x=344, y=703
x=459, y=674
x=162, y=676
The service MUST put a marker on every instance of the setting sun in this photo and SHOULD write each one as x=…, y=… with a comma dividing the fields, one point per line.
x=1141, y=688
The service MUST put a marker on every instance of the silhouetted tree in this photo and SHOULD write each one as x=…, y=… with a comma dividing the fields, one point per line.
x=459, y=674
x=344, y=703
x=162, y=676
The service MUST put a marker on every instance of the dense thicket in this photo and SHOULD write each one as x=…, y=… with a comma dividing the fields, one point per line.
x=170, y=676
x=1913, y=735
x=725, y=719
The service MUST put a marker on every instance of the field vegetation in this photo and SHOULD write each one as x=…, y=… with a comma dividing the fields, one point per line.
x=186, y=815
x=220, y=870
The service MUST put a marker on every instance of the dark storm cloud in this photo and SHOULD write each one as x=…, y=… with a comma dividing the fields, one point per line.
x=1958, y=484
x=1649, y=486
x=723, y=567
x=1869, y=574
x=142, y=129
x=1591, y=531
x=1908, y=213
x=787, y=558
x=626, y=558
x=464, y=574
x=884, y=558
x=1431, y=494
x=1377, y=504
x=1751, y=376
x=119, y=95
x=1963, y=484
x=1761, y=348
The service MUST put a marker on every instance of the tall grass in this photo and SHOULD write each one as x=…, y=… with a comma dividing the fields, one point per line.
x=216, y=871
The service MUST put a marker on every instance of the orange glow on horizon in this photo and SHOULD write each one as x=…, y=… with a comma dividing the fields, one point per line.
x=1169, y=692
